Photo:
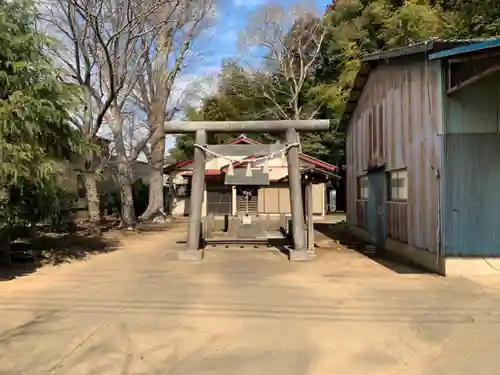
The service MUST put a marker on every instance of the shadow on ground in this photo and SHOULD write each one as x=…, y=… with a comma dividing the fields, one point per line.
x=340, y=232
x=54, y=249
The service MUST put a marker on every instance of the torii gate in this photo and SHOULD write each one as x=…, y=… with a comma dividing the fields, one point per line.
x=193, y=252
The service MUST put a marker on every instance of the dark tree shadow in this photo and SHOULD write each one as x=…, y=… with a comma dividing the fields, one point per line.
x=54, y=249
x=340, y=232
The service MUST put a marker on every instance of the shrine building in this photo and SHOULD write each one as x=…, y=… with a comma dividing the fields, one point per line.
x=254, y=183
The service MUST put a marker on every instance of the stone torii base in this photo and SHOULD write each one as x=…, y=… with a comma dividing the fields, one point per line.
x=194, y=251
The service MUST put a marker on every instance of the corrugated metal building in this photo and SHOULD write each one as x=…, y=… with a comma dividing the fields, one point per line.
x=423, y=153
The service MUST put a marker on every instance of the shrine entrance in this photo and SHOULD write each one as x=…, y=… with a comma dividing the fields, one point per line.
x=245, y=224
x=246, y=200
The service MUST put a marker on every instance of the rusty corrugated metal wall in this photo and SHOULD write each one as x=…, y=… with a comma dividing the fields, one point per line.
x=396, y=123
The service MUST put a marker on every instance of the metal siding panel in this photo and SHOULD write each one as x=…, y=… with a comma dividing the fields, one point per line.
x=386, y=135
x=472, y=218
x=388, y=126
x=432, y=125
x=350, y=192
x=380, y=126
x=423, y=168
x=423, y=157
x=364, y=132
x=471, y=178
x=408, y=95
x=474, y=109
x=399, y=119
x=397, y=226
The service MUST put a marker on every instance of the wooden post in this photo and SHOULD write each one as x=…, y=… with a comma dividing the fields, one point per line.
x=204, y=204
x=310, y=217
x=193, y=252
x=298, y=227
x=210, y=225
x=170, y=195
x=233, y=200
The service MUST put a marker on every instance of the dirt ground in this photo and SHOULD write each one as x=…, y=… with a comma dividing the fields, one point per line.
x=137, y=310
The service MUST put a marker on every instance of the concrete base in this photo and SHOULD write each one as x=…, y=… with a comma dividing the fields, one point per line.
x=418, y=256
x=190, y=255
x=450, y=267
x=472, y=266
x=300, y=256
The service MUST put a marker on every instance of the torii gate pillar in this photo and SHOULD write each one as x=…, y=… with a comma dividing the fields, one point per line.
x=299, y=252
x=291, y=127
x=193, y=251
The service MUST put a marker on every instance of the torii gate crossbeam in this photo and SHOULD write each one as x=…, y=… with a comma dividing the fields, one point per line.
x=200, y=128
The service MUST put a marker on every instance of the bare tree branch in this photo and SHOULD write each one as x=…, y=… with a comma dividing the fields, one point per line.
x=291, y=39
x=156, y=90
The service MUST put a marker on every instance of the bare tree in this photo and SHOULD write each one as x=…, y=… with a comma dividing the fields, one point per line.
x=291, y=40
x=101, y=48
x=173, y=48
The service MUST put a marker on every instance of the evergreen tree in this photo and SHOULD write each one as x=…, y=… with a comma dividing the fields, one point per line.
x=471, y=18
x=35, y=134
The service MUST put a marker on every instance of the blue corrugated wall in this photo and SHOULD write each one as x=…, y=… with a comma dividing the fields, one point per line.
x=471, y=195
x=472, y=200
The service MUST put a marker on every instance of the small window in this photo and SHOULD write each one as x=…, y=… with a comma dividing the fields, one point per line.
x=398, y=185
x=363, y=187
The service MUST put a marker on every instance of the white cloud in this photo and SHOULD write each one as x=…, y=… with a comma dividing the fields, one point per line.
x=189, y=90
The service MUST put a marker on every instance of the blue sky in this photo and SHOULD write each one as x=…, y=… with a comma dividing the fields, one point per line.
x=231, y=19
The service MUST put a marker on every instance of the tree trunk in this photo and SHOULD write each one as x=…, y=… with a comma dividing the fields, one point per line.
x=170, y=196
x=156, y=210
x=126, y=194
x=5, y=229
x=124, y=171
x=93, y=203
x=5, y=247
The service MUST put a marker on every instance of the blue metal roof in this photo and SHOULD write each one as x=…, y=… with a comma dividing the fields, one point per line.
x=462, y=50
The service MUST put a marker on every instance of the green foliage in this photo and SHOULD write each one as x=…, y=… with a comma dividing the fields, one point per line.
x=471, y=18
x=354, y=28
x=32, y=203
x=35, y=131
x=411, y=23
